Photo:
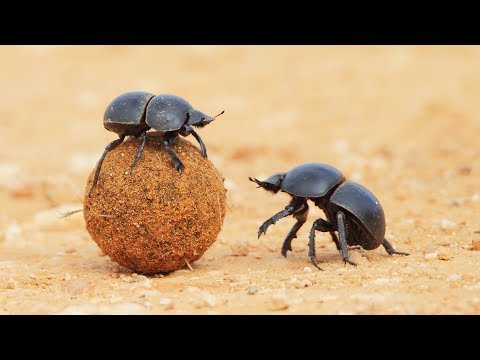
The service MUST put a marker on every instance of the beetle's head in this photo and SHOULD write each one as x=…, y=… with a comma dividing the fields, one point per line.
x=273, y=183
x=198, y=118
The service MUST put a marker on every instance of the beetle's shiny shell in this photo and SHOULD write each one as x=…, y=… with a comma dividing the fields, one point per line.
x=311, y=180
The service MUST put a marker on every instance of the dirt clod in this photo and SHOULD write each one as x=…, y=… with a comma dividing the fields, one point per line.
x=155, y=220
x=278, y=301
x=475, y=245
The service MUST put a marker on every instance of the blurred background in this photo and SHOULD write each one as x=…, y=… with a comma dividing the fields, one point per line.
x=283, y=104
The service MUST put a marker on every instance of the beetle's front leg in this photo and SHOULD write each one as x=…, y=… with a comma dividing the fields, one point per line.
x=167, y=140
x=301, y=216
x=289, y=210
x=186, y=130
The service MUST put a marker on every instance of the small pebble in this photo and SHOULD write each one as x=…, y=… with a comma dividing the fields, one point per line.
x=11, y=284
x=252, y=290
x=444, y=255
x=303, y=284
x=307, y=269
x=76, y=287
x=278, y=301
x=476, y=197
x=430, y=256
x=292, y=281
x=209, y=299
x=446, y=224
x=126, y=278
x=201, y=298
x=454, y=277
x=137, y=278
x=166, y=303
x=475, y=245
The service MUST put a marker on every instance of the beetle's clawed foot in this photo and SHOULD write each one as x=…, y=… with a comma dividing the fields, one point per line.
x=285, y=248
x=348, y=261
x=264, y=227
x=398, y=253
x=313, y=260
x=179, y=166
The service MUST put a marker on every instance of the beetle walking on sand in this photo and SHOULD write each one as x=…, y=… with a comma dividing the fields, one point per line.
x=136, y=112
x=351, y=209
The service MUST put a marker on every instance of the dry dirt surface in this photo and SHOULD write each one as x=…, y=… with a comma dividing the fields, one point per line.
x=401, y=120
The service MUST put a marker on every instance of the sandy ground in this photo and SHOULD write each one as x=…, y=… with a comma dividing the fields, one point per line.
x=403, y=121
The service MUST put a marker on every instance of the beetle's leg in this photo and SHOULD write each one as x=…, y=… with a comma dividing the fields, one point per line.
x=289, y=210
x=187, y=130
x=143, y=138
x=108, y=148
x=167, y=140
x=335, y=240
x=323, y=226
x=342, y=234
x=390, y=250
x=202, y=145
x=301, y=216
x=337, y=243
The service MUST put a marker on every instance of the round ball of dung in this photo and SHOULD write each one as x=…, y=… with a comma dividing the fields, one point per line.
x=156, y=219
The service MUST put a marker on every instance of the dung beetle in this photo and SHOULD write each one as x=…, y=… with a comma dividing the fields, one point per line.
x=134, y=113
x=351, y=209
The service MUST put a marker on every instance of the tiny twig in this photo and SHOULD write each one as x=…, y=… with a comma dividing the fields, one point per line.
x=188, y=264
x=69, y=213
x=105, y=216
x=168, y=252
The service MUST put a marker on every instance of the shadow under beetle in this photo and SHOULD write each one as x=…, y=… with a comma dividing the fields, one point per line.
x=351, y=209
x=136, y=112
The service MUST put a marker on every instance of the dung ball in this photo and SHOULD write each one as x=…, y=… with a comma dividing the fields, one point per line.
x=155, y=220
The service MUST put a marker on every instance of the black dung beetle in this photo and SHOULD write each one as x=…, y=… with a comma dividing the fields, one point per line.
x=136, y=112
x=350, y=208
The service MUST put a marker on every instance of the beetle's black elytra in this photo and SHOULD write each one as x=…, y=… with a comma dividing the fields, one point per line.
x=351, y=209
x=136, y=112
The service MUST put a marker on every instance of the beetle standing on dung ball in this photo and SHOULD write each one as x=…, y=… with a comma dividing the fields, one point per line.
x=351, y=209
x=134, y=113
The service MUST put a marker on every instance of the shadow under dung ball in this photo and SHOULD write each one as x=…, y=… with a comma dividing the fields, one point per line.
x=155, y=220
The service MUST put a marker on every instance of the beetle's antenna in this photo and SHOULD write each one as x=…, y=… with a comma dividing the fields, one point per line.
x=218, y=115
x=255, y=181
